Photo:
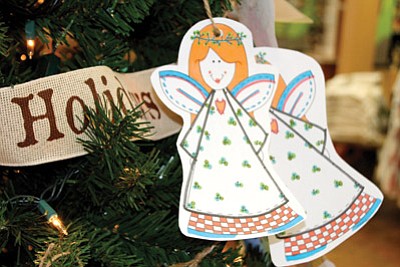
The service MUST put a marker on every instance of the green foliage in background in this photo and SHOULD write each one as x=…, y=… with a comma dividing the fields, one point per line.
x=120, y=202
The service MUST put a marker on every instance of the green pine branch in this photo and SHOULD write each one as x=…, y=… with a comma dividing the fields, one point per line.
x=96, y=32
x=4, y=39
x=120, y=202
x=115, y=163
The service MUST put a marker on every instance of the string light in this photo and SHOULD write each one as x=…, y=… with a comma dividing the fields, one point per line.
x=38, y=3
x=52, y=216
x=30, y=37
x=58, y=224
x=44, y=208
x=23, y=57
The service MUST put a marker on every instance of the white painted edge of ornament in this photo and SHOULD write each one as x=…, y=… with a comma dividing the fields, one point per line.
x=287, y=13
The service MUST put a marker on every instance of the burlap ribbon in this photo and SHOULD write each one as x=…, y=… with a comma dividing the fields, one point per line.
x=42, y=119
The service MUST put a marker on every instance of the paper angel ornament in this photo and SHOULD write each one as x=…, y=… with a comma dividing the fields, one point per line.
x=229, y=189
x=337, y=199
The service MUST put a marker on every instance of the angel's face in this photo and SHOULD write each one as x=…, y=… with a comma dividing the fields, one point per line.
x=216, y=72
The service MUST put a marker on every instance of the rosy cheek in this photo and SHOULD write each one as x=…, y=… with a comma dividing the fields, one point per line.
x=209, y=72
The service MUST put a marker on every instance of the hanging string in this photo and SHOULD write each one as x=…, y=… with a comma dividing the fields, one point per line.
x=216, y=31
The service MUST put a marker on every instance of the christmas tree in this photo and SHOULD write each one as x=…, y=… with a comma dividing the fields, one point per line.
x=117, y=205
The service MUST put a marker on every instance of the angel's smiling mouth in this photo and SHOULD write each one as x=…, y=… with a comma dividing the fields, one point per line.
x=217, y=80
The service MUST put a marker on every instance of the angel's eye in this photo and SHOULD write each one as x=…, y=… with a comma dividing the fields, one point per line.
x=213, y=61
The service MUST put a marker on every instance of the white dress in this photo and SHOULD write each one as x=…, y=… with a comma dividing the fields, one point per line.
x=227, y=173
x=338, y=200
x=228, y=190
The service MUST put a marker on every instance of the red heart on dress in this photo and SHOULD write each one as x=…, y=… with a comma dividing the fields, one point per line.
x=274, y=126
x=220, y=104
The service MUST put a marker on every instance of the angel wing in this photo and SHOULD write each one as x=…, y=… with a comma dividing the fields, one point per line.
x=298, y=96
x=254, y=91
x=182, y=91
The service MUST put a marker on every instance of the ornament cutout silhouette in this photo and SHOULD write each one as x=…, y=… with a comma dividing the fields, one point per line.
x=229, y=190
x=256, y=153
x=338, y=200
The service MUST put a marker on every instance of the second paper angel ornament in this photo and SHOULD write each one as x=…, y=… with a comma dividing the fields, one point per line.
x=229, y=190
x=338, y=200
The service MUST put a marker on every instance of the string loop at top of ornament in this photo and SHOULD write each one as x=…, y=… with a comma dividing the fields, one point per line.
x=216, y=30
